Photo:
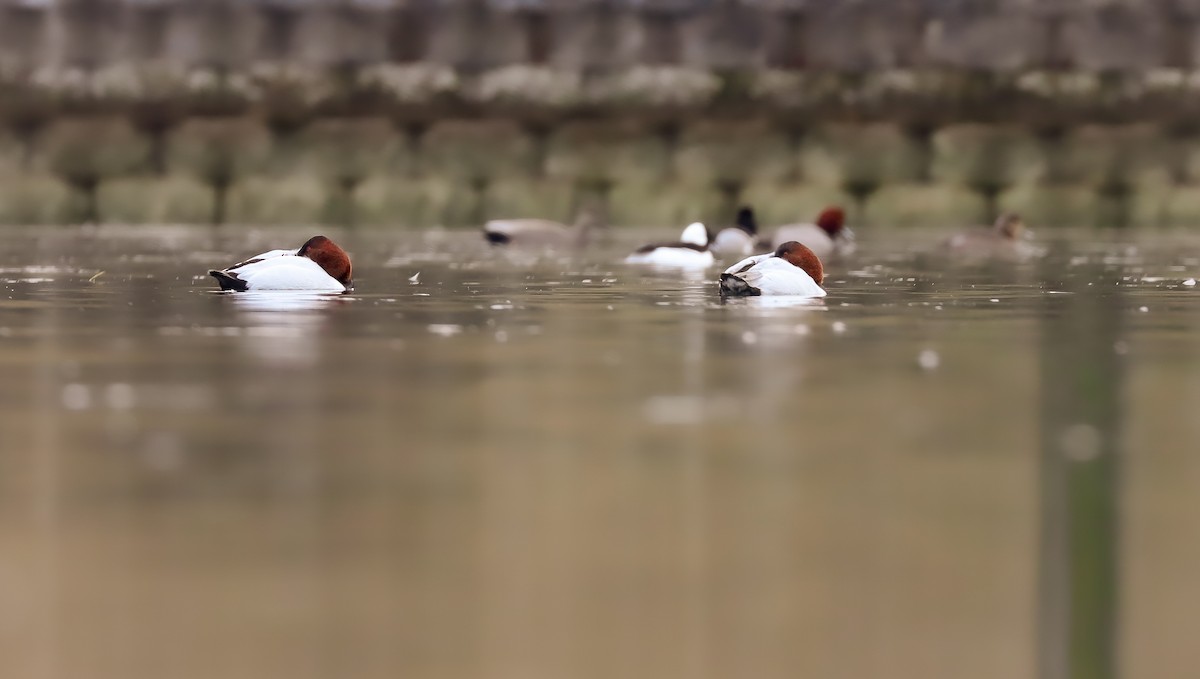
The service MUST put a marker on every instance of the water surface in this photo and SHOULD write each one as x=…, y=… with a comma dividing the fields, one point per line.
x=528, y=466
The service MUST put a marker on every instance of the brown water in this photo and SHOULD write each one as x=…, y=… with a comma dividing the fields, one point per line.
x=522, y=467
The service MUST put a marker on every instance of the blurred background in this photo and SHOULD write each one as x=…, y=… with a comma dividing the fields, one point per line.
x=920, y=112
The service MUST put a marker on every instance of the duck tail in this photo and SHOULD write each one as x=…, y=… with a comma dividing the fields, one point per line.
x=732, y=286
x=228, y=281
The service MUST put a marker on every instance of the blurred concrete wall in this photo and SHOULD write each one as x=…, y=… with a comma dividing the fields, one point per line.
x=449, y=111
x=601, y=34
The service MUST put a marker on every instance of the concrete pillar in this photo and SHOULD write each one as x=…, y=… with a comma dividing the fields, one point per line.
x=408, y=28
x=786, y=38
x=537, y=26
x=342, y=35
x=595, y=37
x=1115, y=38
x=24, y=32
x=211, y=33
x=971, y=39
x=90, y=31
x=660, y=29
x=474, y=36
x=1179, y=28
x=728, y=36
x=146, y=28
x=278, y=30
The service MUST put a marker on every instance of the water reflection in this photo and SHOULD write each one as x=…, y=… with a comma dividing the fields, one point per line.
x=282, y=301
x=1081, y=445
x=776, y=302
x=283, y=327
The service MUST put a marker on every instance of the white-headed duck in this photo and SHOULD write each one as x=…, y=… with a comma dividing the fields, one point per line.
x=691, y=250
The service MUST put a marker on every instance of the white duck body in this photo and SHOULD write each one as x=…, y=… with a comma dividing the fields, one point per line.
x=737, y=241
x=816, y=239
x=732, y=242
x=286, y=272
x=769, y=275
x=671, y=256
x=691, y=251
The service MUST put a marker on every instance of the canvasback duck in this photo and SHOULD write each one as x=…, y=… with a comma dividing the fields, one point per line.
x=318, y=265
x=793, y=269
x=542, y=233
x=740, y=239
x=690, y=251
x=828, y=237
x=1006, y=238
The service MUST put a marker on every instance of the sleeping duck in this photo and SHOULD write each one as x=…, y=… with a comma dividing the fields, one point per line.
x=1006, y=238
x=318, y=265
x=541, y=233
x=827, y=237
x=691, y=250
x=740, y=239
x=793, y=269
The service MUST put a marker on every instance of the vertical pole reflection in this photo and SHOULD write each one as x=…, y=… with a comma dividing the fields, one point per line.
x=1081, y=376
x=46, y=495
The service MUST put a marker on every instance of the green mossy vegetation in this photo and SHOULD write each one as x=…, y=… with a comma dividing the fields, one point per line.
x=360, y=171
x=85, y=153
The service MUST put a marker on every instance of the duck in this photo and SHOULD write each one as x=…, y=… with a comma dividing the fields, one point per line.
x=318, y=265
x=740, y=239
x=792, y=269
x=691, y=250
x=827, y=237
x=541, y=233
x=1006, y=238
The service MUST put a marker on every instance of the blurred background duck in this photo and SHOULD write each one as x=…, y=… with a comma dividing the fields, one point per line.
x=827, y=237
x=691, y=250
x=1006, y=238
x=543, y=233
x=741, y=239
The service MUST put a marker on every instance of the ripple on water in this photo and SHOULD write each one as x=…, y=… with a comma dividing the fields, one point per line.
x=25, y=304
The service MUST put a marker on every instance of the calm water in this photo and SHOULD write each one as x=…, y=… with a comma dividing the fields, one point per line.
x=522, y=467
